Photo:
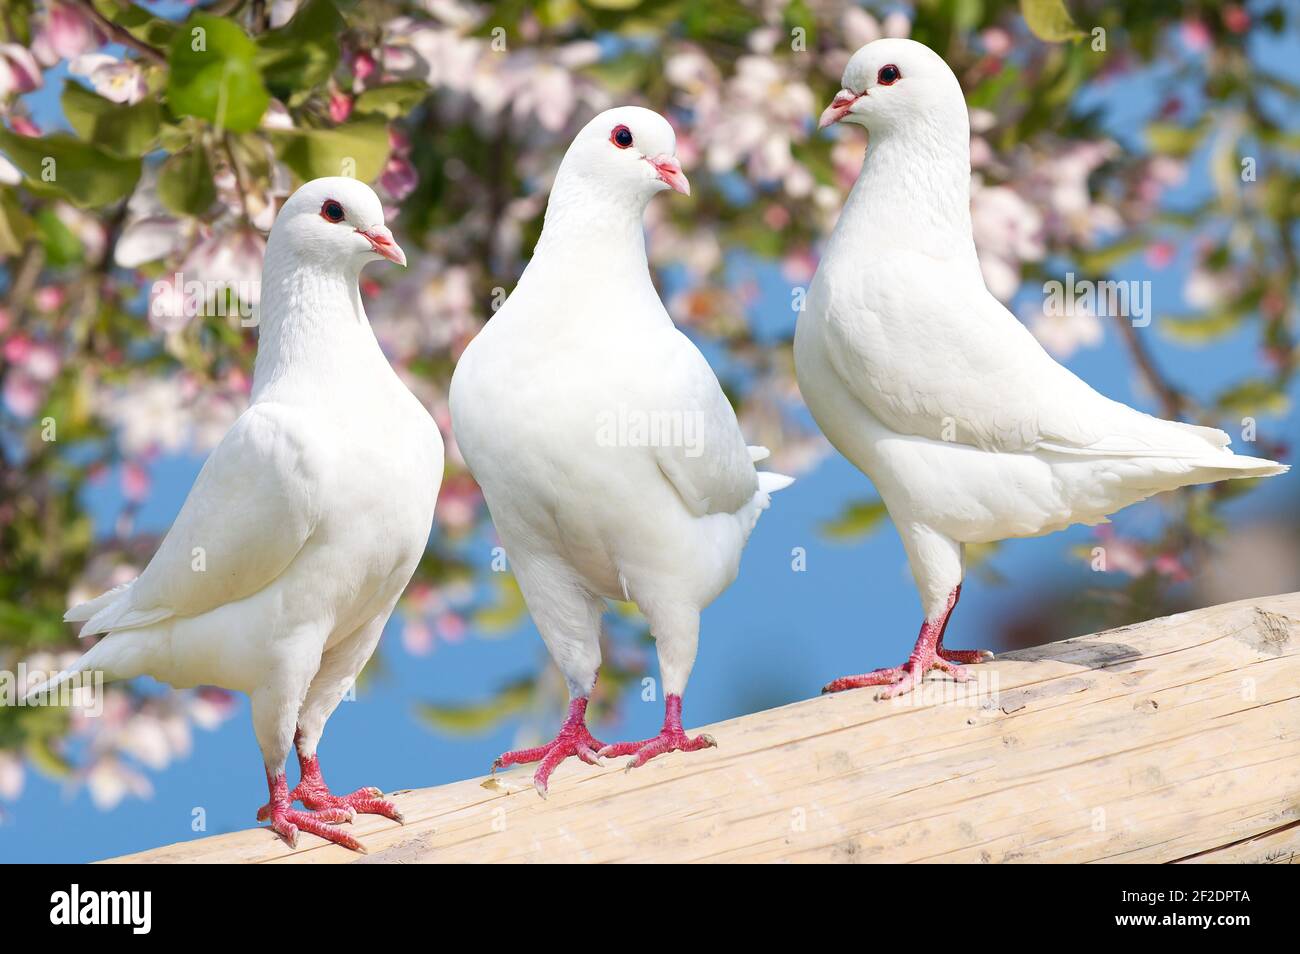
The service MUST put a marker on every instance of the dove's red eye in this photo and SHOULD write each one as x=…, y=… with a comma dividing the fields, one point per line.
x=331, y=211
x=888, y=75
x=621, y=137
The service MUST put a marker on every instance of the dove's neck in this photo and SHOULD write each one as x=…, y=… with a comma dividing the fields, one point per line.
x=913, y=192
x=313, y=335
x=589, y=228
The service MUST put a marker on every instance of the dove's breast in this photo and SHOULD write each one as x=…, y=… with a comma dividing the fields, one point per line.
x=548, y=423
x=378, y=503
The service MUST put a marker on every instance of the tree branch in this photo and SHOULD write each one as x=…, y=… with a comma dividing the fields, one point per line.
x=1172, y=400
x=122, y=35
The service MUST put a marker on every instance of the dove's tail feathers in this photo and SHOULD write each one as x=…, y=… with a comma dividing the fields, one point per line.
x=770, y=483
x=114, y=612
x=83, y=611
x=757, y=452
x=120, y=656
x=1211, y=435
x=1234, y=466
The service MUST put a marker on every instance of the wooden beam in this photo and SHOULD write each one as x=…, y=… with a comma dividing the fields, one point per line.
x=1172, y=740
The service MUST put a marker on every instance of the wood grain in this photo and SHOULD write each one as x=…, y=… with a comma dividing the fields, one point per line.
x=1175, y=740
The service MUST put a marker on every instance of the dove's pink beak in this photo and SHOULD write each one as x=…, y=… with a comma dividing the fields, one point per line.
x=670, y=171
x=839, y=108
x=381, y=241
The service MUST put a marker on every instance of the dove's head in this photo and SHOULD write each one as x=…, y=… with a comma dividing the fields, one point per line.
x=334, y=222
x=628, y=151
x=892, y=84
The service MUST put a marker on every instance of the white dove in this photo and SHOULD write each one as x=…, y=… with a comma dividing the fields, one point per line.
x=919, y=376
x=611, y=462
x=306, y=522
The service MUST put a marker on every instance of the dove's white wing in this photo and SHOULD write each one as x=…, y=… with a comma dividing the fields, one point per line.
x=710, y=467
x=249, y=513
x=938, y=357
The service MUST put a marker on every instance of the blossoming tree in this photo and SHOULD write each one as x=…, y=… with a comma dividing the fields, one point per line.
x=145, y=146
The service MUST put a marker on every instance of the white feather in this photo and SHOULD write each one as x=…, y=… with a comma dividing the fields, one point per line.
x=916, y=373
x=308, y=519
x=588, y=511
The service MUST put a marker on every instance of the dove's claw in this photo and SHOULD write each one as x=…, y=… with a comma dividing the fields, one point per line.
x=671, y=739
x=287, y=821
x=926, y=655
x=315, y=794
x=966, y=656
x=574, y=739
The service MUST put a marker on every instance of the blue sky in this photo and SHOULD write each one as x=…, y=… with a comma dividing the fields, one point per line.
x=775, y=636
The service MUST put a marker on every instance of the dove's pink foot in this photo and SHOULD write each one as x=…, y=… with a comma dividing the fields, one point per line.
x=574, y=739
x=927, y=654
x=315, y=794
x=287, y=821
x=672, y=738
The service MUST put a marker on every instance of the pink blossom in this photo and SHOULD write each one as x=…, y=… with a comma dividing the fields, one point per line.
x=340, y=106
x=1236, y=18
x=1124, y=556
x=109, y=781
x=121, y=81
x=776, y=217
x=1169, y=565
x=11, y=775
x=17, y=348
x=997, y=41
x=799, y=266
x=23, y=126
x=238, y=382
x=1196, y=35
x=135, y=481
x=49, y=298
x=42, y=362
x=231, y=258
x=1160, y=254
x=19, y=71
x=363, y=65
x=399, y=177
x=65, y=34
x=1065, y=333
x=22, y=393
x=458, y=502
x=282, y=11
x=897, y=25
x=417, y=637
x=452, y=627
x=168, y=310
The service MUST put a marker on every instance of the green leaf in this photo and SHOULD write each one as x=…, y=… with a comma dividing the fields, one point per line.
x=1252, y=396
x=62, y=247
x=62, y=165
x=219, y=80
x=391, y=101
x=139, y=22
x=1049, y=20
x=114, y=127
x=15, y=224
x=856, y=520
x=1098, y=261
x=358, y=149
x=479, y=716
x=1200, y=329
x=185, y=183
x=301, y=55
x=1173, y=139
x=506, y=612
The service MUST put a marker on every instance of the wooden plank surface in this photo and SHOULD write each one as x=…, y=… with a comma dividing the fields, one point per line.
x=1172, y=740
